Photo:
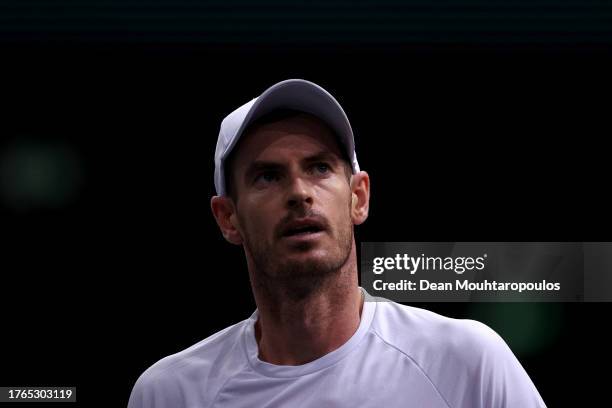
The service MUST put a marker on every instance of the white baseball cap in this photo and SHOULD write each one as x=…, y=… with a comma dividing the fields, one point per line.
x=297, y=94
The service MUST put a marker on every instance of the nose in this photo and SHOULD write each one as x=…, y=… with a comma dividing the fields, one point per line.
x=300, y=194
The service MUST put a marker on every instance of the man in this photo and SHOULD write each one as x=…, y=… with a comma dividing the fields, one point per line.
x=290, y=191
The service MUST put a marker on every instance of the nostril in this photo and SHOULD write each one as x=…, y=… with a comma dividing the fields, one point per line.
x=294, y=201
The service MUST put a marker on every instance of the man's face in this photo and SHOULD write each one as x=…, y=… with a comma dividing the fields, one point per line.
x=293, y=200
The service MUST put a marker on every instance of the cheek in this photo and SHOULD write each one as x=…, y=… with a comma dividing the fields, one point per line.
x=257, y=219
x=340, y=208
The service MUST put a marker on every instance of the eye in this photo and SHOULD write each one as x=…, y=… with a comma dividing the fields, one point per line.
x=266, y=177
x=322, y=168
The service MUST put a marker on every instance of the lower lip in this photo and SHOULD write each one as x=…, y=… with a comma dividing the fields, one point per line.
x=311, y=236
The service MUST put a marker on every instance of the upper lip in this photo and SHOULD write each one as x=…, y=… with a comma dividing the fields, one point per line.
x=302, y=223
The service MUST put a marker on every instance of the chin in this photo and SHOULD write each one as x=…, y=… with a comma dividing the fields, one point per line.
x=308, y=264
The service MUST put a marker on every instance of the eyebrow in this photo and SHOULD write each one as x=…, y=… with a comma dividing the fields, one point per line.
x=261, y=165
x=321, y=156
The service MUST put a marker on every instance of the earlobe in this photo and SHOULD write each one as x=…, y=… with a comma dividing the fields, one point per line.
x=224, y=212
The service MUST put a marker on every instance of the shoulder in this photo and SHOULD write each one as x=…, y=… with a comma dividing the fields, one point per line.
x=422, y=335
x=467, y=361
x=191, y=374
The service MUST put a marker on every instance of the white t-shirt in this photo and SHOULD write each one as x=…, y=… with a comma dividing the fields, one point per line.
x=400, y=356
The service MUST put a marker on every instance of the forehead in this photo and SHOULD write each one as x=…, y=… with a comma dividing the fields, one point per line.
x=302, y=134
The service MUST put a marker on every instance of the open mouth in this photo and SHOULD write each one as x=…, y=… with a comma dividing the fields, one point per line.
x=306, y=230
x=303, y=228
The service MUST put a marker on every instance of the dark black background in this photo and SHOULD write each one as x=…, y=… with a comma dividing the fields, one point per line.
x=475, y=141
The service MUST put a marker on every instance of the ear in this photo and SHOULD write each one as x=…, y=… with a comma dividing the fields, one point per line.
x=360, y=197
x=225, y=214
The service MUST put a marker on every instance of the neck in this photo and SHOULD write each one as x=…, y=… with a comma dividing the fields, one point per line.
x=295, y=332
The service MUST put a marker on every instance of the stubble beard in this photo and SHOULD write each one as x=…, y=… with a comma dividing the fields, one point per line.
x=293, y=279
